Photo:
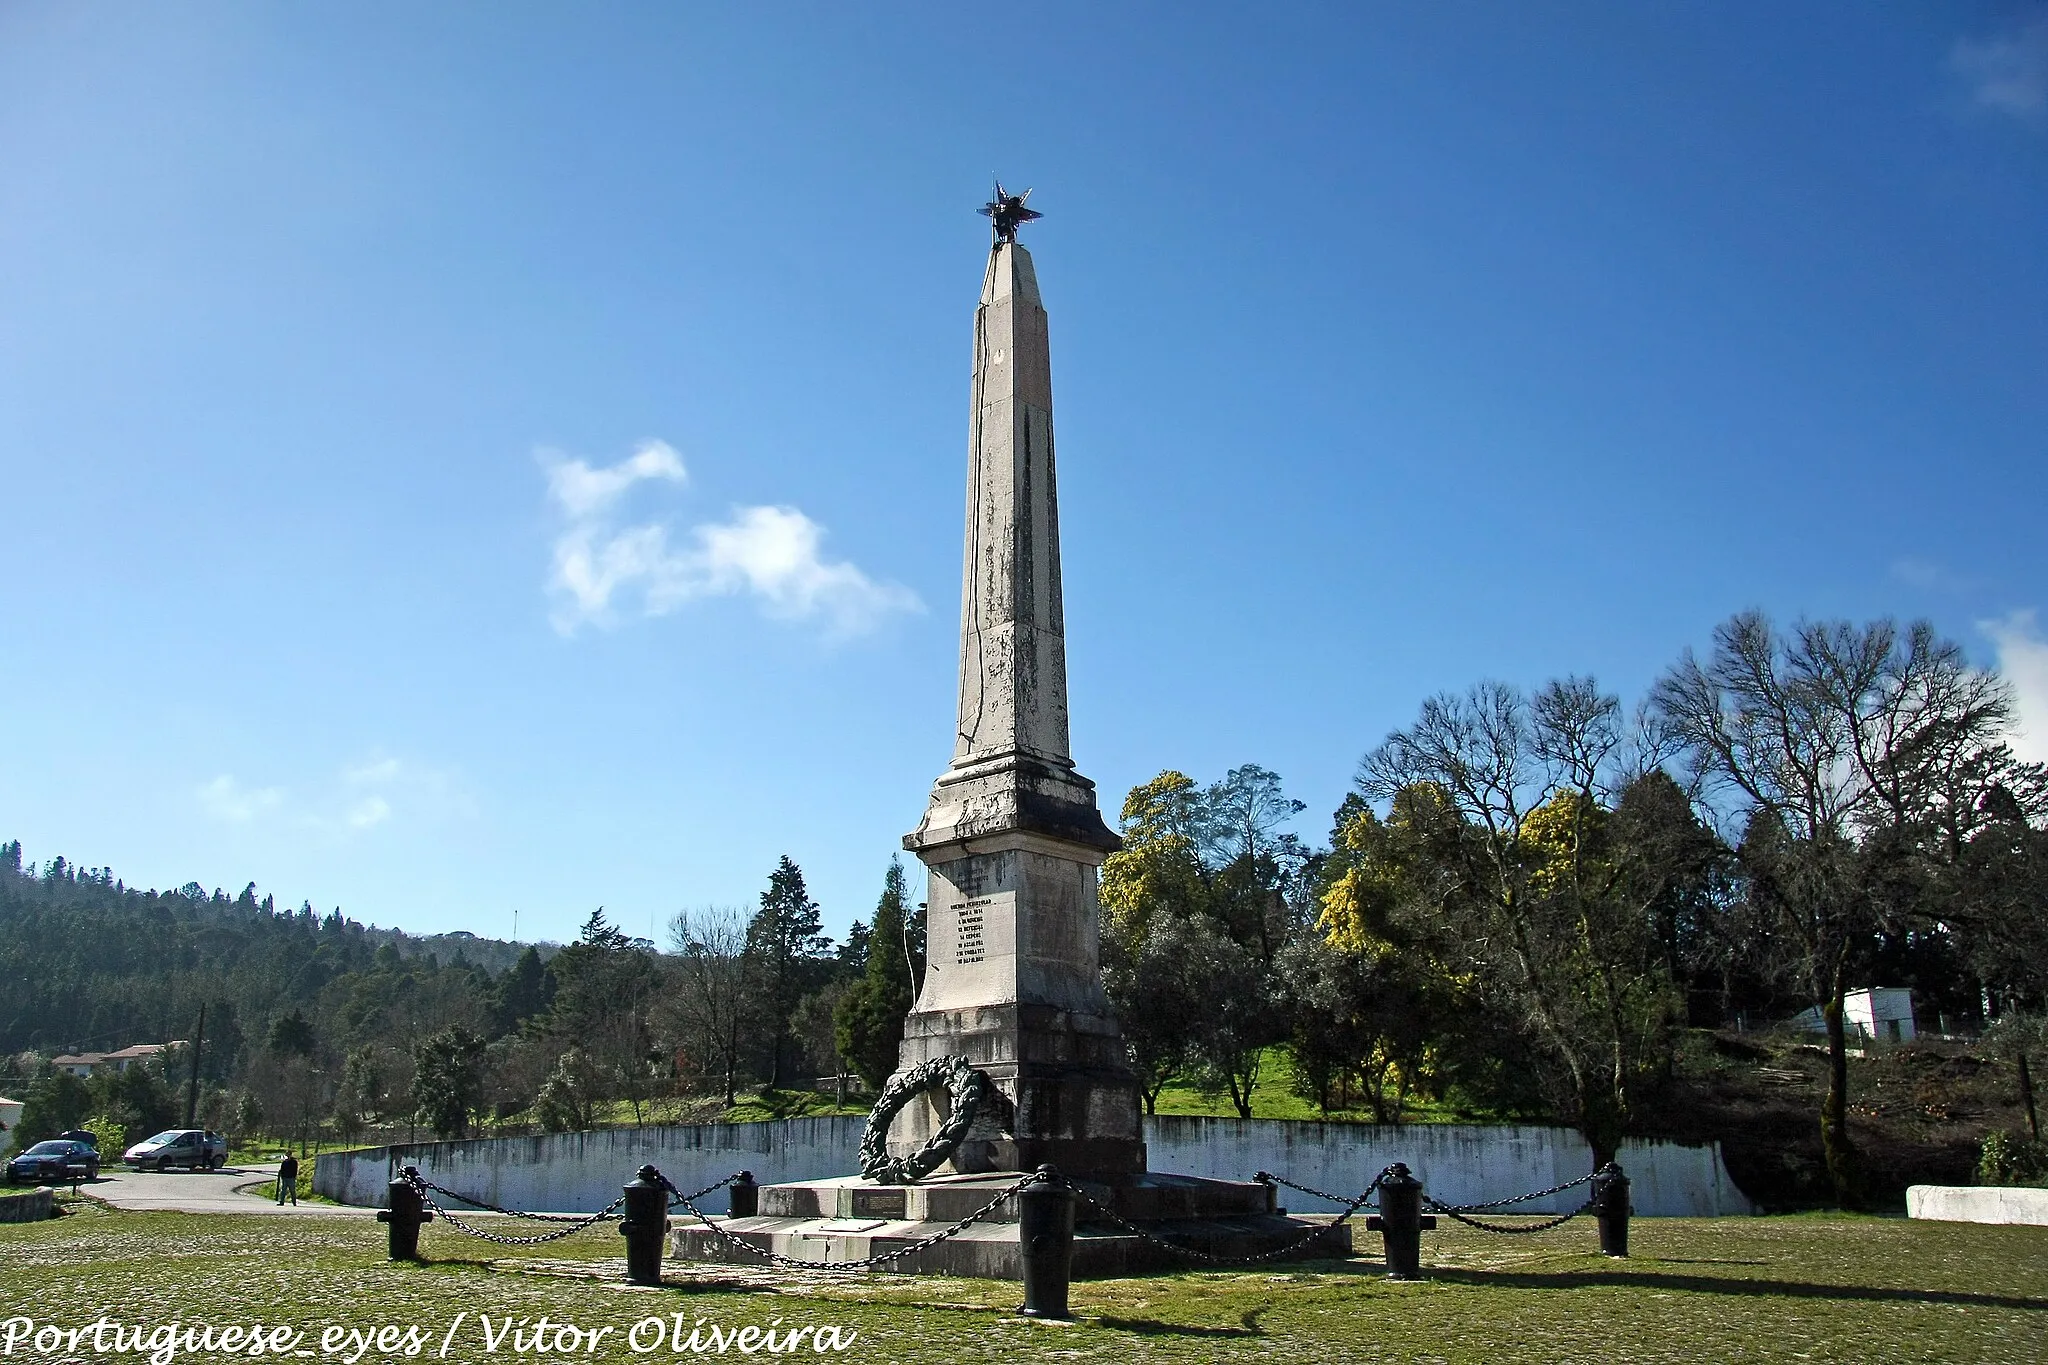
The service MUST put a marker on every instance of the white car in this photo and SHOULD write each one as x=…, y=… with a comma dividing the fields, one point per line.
x=193, y=1148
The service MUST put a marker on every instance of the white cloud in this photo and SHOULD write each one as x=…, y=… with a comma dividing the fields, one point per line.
x=2009, y=73
x=227, y=800
x=582, y=492
x=373, y=811
x=372, y=770
x=380, y=786
x=1927, y=575
x=361, y=796
x=2023, y=659
x=774, y=554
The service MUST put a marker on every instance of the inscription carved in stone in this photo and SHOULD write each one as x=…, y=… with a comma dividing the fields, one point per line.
x=969, y=944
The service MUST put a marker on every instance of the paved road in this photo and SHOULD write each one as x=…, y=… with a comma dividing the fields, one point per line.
x=224, y=1191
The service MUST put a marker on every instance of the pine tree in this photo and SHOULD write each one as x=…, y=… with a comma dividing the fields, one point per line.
x=526, y=989
x=447, y=1080
x=786, y=945
x=869, y=1020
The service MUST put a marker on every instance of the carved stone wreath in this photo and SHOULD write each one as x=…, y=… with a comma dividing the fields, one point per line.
x=966, y=1087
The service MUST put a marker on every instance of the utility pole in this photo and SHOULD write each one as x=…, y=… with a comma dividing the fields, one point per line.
x=192, y=1085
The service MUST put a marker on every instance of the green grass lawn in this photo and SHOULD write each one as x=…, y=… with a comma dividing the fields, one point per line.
x=1274, y=1098
x=1806, y=1288
x=793, y=1104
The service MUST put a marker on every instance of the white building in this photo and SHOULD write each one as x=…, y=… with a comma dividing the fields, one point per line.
x=10, y=1118
x=1875, y=1014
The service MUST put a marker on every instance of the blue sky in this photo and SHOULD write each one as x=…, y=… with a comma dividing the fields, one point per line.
x=468, y=459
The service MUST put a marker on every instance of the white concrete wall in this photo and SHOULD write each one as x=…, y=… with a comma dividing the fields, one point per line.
x=1978, y=1204
x=581, y=1172
x=10, y=1117
x=1459, y=1164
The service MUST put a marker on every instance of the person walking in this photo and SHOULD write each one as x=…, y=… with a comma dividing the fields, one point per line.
x=288, y=1179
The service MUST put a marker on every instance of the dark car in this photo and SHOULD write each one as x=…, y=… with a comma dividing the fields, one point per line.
x=54, y=1162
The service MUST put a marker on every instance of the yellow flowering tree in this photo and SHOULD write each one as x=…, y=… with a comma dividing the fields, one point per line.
x=1159, y=868
x=1512, y=871
x=1378, y=1002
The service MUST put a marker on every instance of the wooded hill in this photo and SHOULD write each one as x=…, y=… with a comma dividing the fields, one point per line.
x=87, y=962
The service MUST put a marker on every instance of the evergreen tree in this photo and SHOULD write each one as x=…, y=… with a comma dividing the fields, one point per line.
x=292, y=1035
x=526, y=989
x=786, y=949
x=868, y=1025
x=448, y=1080
x=853, y=954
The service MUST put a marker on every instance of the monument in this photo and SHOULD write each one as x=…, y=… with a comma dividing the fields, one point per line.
x=1012, y=837
x=1012, y=1005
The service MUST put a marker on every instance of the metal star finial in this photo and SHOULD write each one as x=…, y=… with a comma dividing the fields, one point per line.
x=1007, y=213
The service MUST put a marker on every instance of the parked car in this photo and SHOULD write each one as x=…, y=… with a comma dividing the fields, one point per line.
x=55, y=1162
x=195, y=1149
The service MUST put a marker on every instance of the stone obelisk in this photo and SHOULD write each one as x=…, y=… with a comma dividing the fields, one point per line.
x=1012, y=837
x=1013, y=842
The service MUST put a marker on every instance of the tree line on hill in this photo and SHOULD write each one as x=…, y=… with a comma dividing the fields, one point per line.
x=318, y=1024
x=1530, y=896
x=1525, y=902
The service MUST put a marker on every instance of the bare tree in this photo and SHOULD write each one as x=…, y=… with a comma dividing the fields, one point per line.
x=1861, y=760
x=1252, y=863
x=707, y=1004
x=1517, y=862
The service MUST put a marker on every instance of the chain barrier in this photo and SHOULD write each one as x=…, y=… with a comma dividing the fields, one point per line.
x=419, y=1182
x=677, y=1199
x=1351, y=1206
x=576, y=1222
x=1518, y=1199
x=1268, y=1178
x=1458, y=1212
x=1502, y=1228
x=866, y=1262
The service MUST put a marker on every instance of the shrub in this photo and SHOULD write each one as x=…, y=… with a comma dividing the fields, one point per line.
x=113, y=1138
x=2013, y=1159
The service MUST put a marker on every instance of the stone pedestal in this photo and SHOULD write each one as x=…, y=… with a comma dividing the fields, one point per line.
x=1011, y=984
x=837, y=1221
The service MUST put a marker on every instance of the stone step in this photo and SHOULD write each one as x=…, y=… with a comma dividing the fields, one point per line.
x=949, y=1198
x=990, y=1251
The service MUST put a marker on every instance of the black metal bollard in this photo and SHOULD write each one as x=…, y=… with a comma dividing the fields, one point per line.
x=645, y=1226
x=1610, y=1206
x=1401, y=1222
x=1045, y=1237
x=408, y=1210
x=746, y=1197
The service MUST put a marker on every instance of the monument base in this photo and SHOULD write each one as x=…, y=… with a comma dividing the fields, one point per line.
x=1067, y=1096
x=851, y=1218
